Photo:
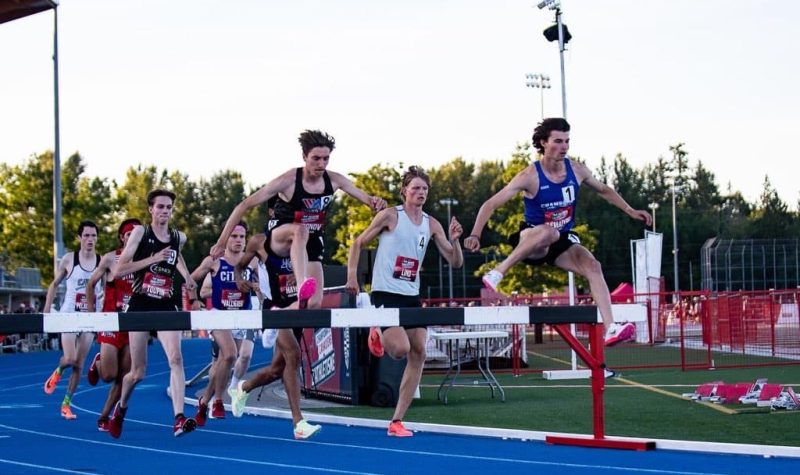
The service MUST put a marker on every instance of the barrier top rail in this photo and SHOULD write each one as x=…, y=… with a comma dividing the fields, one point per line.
x=317, y=318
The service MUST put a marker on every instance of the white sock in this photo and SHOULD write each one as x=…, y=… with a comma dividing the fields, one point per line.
x=234, y=382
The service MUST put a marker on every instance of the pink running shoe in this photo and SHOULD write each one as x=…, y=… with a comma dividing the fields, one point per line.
x=620, y=332
x=306, y=291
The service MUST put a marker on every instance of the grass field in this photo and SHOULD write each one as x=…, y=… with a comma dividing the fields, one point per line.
x=638, y=403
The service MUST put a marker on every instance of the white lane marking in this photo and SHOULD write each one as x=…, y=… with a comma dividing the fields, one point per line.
x=45, y=467
x=172, y=452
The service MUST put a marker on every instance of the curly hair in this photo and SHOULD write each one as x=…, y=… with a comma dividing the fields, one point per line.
x=542, y=131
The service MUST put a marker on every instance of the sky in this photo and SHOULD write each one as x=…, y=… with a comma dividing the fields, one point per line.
x=200, y=86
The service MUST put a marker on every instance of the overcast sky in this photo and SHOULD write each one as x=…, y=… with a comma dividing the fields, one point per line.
x=205, y=85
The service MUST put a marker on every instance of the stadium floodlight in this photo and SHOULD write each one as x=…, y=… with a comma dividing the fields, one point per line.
x=553, y=4
x=538, y=81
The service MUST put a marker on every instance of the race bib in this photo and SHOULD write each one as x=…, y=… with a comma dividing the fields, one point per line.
x=558, y=218
x=81, y=304
x=233, y=299
x=406, y=268
x=288, y=285
x=157, y=286
x=312, y=220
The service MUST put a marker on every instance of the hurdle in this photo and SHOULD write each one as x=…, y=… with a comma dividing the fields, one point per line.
x=559, y=317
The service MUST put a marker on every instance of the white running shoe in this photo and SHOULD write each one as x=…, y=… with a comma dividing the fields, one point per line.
x=492, y=279
x=268, y=337
x=304, y=430
x=238, y=400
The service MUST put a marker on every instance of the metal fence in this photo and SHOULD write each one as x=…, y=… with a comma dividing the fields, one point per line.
x=750, y=264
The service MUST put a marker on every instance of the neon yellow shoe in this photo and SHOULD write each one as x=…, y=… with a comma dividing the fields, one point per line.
x=238, y=400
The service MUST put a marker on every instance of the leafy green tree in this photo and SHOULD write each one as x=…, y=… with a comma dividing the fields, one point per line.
x=350, y=217
x=26, y=210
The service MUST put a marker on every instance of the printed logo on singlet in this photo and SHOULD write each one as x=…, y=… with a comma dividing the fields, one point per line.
x=406, y=268
x=312, y=216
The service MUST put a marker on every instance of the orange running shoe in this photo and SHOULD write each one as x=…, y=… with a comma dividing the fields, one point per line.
x=52, y=381
x=66, y=412
x=396, y=429
x=374, y=342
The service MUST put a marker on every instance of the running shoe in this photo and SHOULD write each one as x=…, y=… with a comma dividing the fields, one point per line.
x=619, y=332
x=268, y=337
x=238, y=400
x=396, y=429
x=492, y=279
x=93, y=375
x=183, y=425
x=115, y=423
x=303, y=430
x=374, y=342
x=202, y=413
x=306, y=291
x=102, y=424
x=217, y=410
x=66, y=412
x=52, y=381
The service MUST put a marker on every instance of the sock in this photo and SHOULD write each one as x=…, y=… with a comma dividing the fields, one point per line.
x=67, y=400
x=179, y=416
x=234, y=382
x=396, y=420
x=59, y=370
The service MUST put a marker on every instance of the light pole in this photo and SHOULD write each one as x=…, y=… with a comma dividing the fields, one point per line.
x=538, y=81
x=449, y=202
x=653, y=207
x=562, y=35
x=674, y=189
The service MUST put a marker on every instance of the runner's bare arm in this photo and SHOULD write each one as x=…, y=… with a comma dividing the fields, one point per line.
x=61, y=273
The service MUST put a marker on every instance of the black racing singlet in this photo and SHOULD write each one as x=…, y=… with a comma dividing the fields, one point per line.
x=156, y=283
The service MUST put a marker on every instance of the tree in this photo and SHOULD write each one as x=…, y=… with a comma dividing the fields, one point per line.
x=26, y=210
x=771, y=219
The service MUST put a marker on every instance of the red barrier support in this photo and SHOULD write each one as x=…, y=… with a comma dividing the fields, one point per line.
x=596, y=363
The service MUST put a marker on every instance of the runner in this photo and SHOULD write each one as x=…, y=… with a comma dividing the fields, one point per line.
x=75, y=268
x=114, y=359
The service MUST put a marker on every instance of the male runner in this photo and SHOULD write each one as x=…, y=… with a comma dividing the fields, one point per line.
x=114, y=359
x=297, y=228
x=220, y=284
x=76, y=267
x=286, y=355
x=404, y=234
x=153, y=255
x=550, y=187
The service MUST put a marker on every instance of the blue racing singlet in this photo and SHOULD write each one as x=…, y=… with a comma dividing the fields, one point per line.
x=224, y=294
x=554, y=203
